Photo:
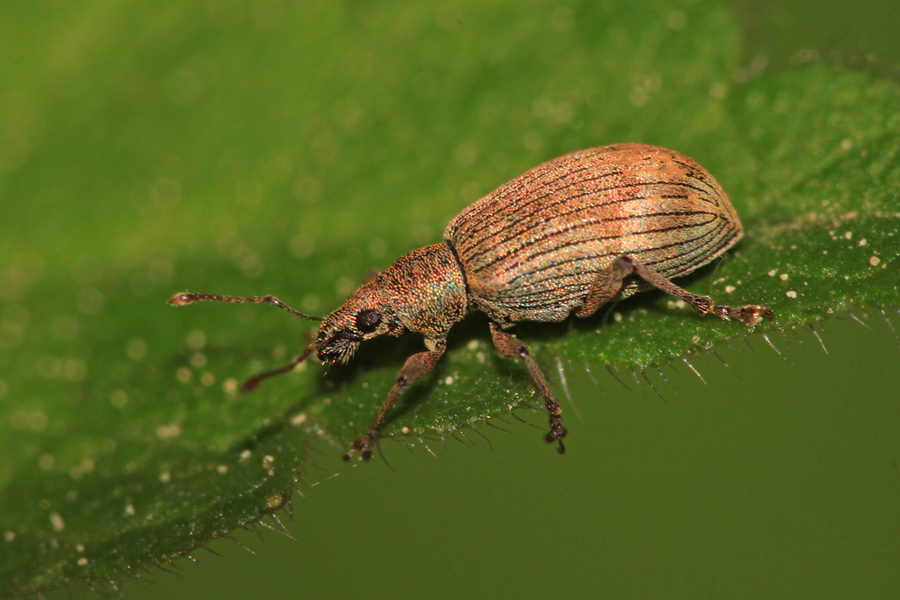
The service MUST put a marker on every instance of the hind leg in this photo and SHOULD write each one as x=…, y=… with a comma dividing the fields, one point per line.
x=609, y=282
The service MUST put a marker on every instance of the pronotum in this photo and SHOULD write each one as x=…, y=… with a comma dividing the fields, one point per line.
x=568, y=235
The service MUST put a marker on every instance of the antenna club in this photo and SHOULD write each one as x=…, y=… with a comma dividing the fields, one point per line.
x=183, y=299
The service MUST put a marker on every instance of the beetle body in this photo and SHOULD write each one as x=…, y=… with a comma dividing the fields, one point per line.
x=568, y=235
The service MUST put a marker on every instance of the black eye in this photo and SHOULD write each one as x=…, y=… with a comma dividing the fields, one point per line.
x=368, y=320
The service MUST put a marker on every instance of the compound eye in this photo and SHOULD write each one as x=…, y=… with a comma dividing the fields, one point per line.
x=368, y=320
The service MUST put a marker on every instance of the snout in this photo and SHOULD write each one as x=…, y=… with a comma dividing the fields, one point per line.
x=338, y=347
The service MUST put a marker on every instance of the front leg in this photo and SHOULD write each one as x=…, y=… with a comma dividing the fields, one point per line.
x=510, y=346
x=415, y=366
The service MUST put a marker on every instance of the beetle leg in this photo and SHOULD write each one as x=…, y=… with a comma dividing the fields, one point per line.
x=750, y=314
x=510, y=346
x=607, y=285
x=416, y=366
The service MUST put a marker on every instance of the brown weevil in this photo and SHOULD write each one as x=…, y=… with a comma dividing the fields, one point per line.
x=568, y=235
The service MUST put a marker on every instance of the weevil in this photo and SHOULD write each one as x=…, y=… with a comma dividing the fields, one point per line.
x=567, y=236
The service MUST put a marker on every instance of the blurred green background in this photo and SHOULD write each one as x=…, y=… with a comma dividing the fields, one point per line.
x=784, y=482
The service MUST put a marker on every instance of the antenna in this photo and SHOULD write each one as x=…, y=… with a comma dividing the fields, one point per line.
x=185, y=298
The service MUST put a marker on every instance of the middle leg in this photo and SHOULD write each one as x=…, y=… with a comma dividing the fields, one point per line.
x=510, y=346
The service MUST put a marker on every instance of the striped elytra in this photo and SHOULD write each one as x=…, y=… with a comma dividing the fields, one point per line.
x=567, y=236
x=532, y=249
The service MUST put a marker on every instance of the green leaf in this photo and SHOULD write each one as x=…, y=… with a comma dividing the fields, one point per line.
x=289, y=151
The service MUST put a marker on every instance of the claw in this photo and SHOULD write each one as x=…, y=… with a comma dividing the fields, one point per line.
x=362, y=446
x=557, y=433
x=750, y=315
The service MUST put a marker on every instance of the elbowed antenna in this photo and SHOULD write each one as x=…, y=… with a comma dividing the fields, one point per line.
x=185, y=298
x=254, y=381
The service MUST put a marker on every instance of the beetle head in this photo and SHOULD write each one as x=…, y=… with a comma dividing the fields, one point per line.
x=363, y=316
x=423, y=291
